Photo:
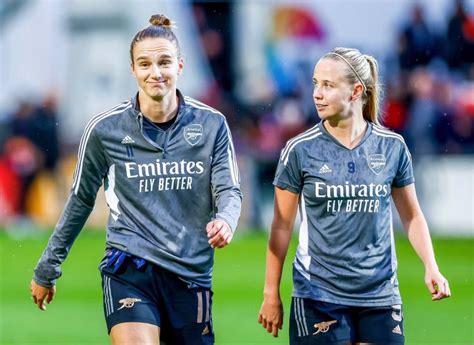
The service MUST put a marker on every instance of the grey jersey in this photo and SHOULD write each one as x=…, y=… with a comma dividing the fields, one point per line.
x=161, y=193
x=346, y=253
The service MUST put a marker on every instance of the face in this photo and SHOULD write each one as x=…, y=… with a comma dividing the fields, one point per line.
x=156, y=67
x=332, y=94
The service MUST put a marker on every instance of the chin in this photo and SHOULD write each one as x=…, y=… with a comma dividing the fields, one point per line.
x=324, y=115
x=330, y=114
x=156, y=94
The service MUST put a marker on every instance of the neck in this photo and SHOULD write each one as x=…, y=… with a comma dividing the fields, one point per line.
x=161, y=110
x=348, y=131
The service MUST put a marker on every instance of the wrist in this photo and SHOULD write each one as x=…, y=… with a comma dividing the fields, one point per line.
x=271, y=293
x=431, y=267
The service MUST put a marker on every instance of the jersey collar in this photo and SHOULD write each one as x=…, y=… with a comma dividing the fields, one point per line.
x=136, y=105
x=328, y=135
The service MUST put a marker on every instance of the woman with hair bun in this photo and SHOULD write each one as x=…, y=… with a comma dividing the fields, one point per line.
x=173, y=189
x=343, y=174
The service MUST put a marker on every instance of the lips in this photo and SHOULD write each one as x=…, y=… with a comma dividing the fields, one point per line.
x=156, y=85
x=320, y=106
x=158, y=82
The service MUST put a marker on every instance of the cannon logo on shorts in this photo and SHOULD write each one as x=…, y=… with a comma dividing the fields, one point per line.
x=324, y=326
x=397, y=314
x=376, y=163
x=193, y=134
x=397, y=330
x=128, y=302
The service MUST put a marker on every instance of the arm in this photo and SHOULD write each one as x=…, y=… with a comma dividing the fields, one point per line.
x=88, y=176
x=271, y=312
x=417, y=231
x=225, y=185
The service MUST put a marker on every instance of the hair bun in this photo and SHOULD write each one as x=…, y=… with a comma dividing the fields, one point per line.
x=161, y=20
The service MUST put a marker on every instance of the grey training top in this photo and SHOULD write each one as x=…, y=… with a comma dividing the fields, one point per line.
x=161, y=193
x=346, y=252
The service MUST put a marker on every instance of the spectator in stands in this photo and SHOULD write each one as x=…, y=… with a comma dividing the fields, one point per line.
x=417, y=42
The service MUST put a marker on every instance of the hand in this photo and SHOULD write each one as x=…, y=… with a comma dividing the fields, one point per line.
x=219, y=233
x=39, y=293
x=437, y=284
x=271, y=315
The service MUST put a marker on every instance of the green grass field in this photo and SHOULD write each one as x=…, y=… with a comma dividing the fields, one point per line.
x=76, y=315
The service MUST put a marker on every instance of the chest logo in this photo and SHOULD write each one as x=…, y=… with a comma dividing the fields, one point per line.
x=127, y=141
x=193, y=134
x=325, y=169
x=376, y=163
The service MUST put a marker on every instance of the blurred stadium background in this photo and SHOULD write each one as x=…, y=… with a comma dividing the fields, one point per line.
x=61, y=62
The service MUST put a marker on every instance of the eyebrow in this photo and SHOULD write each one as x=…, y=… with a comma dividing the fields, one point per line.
x=164, y=56
x=322, y=81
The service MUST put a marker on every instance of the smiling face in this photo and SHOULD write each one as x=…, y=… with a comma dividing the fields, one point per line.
x=156, y=66
x=333, y=95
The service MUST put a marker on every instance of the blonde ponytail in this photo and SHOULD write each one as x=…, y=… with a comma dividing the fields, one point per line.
x=363, y=69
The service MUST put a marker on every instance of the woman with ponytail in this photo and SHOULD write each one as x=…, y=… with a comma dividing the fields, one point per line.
x=173, y=189
x=342, y=175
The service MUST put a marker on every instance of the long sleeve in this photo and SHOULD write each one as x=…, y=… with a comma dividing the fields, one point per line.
x=225, y=179
x=90, y=171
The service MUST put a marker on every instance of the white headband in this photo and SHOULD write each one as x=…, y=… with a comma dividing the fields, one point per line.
x=352, y=68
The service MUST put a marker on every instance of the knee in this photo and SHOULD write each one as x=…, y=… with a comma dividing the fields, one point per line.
x=131, y=333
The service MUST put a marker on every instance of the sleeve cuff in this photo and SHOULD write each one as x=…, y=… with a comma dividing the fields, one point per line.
x=44, y=283
x=286, y=186
x=403, y=183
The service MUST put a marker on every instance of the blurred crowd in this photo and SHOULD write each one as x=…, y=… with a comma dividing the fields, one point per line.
x=430, y=100
x=428, y=86
x=29, y=144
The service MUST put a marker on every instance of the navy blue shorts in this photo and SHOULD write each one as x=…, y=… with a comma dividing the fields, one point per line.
x=315, y=322
x=138, y=291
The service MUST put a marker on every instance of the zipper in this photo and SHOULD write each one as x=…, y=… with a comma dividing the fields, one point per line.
x=151, y=142
x=179, y=115
x=166, y=133
x=165, y=143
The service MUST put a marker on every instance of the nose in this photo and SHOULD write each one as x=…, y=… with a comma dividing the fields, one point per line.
x=317, y=93
x=156, y=71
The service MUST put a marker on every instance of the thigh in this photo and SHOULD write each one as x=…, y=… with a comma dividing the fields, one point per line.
x=135, y=333
x=124, y=302
x=314, y=322
x=187, y=316
x=380, y=325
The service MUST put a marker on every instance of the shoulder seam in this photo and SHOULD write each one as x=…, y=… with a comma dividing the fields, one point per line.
x=85, y=139
x=199, y=105
x=388, y=134
x=286, y=155
x=387, y=131
x=113, y=109
x=291, y=144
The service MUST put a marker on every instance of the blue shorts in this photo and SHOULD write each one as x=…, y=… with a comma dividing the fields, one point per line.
x=315, y=322
x=138, y=291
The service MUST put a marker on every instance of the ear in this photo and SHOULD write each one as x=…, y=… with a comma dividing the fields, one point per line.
x=180, y=65
x=132, y=68
x=357, y=92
